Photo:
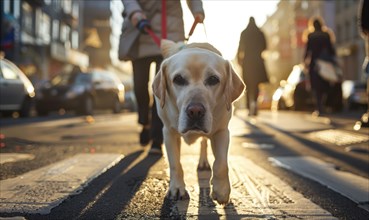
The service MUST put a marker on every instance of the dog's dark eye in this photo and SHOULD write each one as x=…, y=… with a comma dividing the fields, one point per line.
x=179, y=80
x=212, y=80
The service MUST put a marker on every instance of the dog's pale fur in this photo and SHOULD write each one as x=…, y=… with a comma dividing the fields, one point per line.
x=194, y=89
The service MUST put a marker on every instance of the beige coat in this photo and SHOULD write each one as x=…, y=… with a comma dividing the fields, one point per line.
x=134, y=44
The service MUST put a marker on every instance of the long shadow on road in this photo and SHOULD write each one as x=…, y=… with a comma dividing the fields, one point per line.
x=109, y=194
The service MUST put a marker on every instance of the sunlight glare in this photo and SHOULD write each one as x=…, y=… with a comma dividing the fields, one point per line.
x=225, y=20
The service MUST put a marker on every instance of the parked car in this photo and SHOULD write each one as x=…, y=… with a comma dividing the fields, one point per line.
x=130, y=103
x=295, y=93
x=16, y=90
x=355, y=94
x=82, y=92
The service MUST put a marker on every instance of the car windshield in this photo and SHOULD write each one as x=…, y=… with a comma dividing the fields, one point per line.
x=70, y=78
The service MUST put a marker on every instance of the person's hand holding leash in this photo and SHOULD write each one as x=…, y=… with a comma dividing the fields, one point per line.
x=200, y=18
x=140, y=21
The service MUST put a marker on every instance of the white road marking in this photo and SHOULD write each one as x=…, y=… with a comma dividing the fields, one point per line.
x=13, y=218
x=14, y=157
x=340, y=137
x=261, y=146
x=348, y=184
x=40, y=190
x=256, y=193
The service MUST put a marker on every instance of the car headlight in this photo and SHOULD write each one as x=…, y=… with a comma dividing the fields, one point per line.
x=75, y=91
x=30, y=91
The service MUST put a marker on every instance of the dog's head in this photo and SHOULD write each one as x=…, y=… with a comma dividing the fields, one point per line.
x=199, y=83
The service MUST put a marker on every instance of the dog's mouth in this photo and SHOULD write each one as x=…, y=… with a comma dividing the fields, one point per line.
x=196, y=127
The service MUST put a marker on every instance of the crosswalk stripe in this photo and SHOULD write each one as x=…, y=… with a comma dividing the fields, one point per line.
x=40, y=190
x=255, y=193
x=14, y=157
x=340, y=137
x=348, y=184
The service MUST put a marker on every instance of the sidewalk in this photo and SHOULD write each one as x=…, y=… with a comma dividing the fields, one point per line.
x=338, y=120
x=337, y=129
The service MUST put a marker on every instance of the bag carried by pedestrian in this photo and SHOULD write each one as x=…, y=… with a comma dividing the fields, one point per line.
x=126, y=50
x=329, y=71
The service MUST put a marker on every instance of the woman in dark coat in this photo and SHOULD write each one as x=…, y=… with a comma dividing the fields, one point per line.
x=319, y=45
x=252, y=44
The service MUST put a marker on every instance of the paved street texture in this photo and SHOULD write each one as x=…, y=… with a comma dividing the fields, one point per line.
x=135, y=187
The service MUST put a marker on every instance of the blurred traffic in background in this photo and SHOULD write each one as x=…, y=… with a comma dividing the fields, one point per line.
x=44, y=41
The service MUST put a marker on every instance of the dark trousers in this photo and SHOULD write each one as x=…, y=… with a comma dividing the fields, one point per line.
x=319, y=88
x=141, y=77
x=252, y=93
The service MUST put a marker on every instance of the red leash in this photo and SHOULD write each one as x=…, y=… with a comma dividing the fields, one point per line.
x=196, y=21
x=153, y=35
x=163, y=19
x=164, y=26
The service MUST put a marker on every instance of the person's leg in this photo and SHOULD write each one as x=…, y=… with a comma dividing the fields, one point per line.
x=256, y=95
x=157, y=125
x=319, y=100
x=248, y=99
x=141, y=70
x=316, y=92
x=365, y=117
x=252, y=94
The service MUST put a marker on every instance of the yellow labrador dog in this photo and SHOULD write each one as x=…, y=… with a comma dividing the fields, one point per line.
x=194, y=89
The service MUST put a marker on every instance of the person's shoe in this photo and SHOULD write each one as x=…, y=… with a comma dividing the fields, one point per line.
x=145, y=136
x=316, y=114
x=155, y=149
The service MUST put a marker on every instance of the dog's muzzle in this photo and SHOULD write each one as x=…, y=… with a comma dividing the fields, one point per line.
x=195, y=111
x=195, y=117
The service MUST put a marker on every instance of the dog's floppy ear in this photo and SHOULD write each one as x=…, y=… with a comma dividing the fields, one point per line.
x=159, y=85
x=234, y=86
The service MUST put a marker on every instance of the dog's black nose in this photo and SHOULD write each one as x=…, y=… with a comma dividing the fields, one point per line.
x=195, y=111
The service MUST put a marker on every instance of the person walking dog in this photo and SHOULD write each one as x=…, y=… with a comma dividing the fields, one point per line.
x=165, y=19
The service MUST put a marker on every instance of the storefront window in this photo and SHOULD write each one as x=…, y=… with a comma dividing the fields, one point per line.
x=64, y=32
x=27, y=22
x=43, y=26
x=75, y=39
x=55, y=29
x=67, y=6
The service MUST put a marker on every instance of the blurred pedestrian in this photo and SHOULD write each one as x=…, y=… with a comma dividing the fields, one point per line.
x=138, y=46
x=319, y=45
x=7, y=36
x=364, y=28
x=249, y=56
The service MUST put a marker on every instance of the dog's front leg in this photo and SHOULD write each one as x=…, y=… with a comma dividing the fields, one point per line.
x=203, y=161
x=221, y=188
x=177, y=187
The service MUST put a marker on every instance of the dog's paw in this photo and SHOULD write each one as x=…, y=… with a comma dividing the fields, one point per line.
x=203, y=165
x=221, y=190
x=177, y=194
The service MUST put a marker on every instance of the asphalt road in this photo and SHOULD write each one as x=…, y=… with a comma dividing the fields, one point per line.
x=264, y=186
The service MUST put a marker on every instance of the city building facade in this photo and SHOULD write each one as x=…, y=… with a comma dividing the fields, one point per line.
x=46, y=35
x=285, y=27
